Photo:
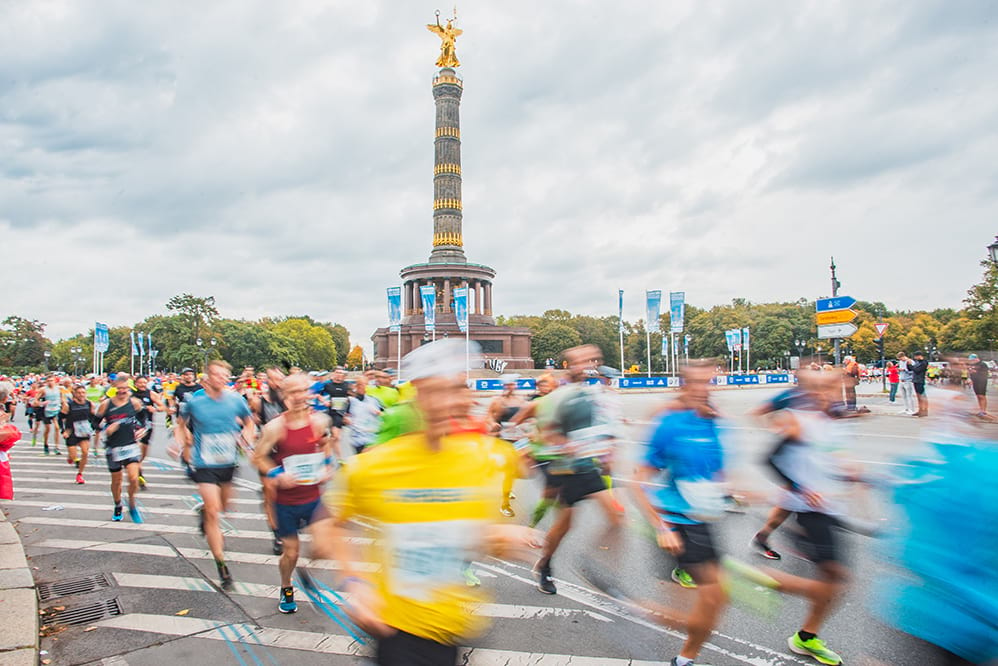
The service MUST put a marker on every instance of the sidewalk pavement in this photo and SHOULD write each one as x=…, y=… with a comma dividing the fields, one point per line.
x=18, y=602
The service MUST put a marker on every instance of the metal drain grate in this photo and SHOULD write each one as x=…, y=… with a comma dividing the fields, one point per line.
x=83, y=614
x=64, y=588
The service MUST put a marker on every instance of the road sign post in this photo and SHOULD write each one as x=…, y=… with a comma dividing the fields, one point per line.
x=881, y=329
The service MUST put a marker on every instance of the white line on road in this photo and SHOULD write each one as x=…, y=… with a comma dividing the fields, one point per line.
x=333, y=643
x=165, y=511
x=508, y=611
x=95, y=490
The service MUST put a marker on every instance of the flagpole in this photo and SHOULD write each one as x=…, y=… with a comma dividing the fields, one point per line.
x=400, y=353
x=648, y=348
x=620, y=326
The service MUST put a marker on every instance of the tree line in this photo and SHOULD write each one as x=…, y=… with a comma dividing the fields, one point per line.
x=282, y=341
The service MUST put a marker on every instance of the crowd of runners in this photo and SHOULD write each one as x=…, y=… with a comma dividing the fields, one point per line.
x=421, y=462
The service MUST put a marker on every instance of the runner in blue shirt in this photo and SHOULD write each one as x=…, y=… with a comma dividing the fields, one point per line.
x=211, y=426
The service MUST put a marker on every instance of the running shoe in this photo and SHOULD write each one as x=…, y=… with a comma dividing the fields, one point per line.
x=814, y=647
x=142, y=482
x=675, y=662
x=116, y=516
x=278, y=546
x=77, y=462
x=683, y=577
x=79, y=479
x=507, y=510
x=224, y=575
x=761, y=546
x=133, y=513
x=545, y=582
x=34, y=438
x=287, y=603
x=470, y=579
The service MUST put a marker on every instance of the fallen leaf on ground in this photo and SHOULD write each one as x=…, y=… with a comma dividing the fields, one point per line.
x=90, y=629
x=59, y=608
x=183, y=612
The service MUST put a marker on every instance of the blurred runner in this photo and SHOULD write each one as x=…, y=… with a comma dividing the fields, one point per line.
x=267, y=404
x=50, y=402
x=151, y=403
x=575, y=431
x=542, y=455
x=295, y=455
x=212, y=425
x=363, y=416
x=502, y=409
x=78, y=413
x=121, y=445
x=434, y=494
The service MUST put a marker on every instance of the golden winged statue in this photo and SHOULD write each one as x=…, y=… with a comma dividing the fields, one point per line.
x=447, y=34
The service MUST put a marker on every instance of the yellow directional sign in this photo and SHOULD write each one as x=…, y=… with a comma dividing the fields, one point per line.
x=835, y=317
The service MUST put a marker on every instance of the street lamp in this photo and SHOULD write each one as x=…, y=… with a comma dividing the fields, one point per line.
x=47, y=355
x=76, y=357
x=818, y=348
x=200, y=344
x=153, y=353
x=993, y=251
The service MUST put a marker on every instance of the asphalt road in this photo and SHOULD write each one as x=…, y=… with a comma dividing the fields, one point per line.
x=161, y=578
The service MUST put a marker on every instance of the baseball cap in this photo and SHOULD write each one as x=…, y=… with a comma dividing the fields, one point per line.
x=186, y=370
x=607, y=371
x=972, y=357
x=443, y=358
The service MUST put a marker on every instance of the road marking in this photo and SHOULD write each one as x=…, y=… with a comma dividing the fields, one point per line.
x=189, y=487
x=507, y=611
x=102, y=492
x=156, y=527
x=166, y=511
x=612, y=607
x=334, y=643
x=192, y=553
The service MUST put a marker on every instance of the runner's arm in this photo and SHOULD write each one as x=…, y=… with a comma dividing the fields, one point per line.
x=269, y=436
x=526, y=412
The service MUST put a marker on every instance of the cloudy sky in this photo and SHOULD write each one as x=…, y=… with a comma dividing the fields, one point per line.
x=278, y=155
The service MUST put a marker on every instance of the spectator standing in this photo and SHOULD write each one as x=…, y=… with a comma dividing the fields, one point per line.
x=918, y=370
x=893, y=378
x=907, y=387
x=850, y=378
x=977, y=371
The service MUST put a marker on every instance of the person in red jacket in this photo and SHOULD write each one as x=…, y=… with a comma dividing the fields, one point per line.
x=893, y=378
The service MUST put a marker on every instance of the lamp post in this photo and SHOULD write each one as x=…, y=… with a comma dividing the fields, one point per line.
x=47, y=354
x=76, y=357
x=993, y=251
x=153, y=353
x=200, y=343
x=818, y=349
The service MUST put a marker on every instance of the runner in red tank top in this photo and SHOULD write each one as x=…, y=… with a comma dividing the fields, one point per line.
x=295, y=455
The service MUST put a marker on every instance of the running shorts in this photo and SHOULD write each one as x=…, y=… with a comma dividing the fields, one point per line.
x=919, y=388
x=118, y=465
x=213, y=475
x=698, y=546
x=574, y=488
x=291, y=518
x=405, y=649
x=980, y=387
x=818, y=541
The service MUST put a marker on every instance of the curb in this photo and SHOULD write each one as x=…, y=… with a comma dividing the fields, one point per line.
x=18, y=601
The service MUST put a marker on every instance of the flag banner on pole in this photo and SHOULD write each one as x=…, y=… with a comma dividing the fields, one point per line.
x=665, y=345
x=142, y=349
x=395, y=309
x=101, y=337
x=149, y=341
x=653, y=307
x=736, y=337
x=686, y=345
x=675, y=345
x=729, y=340
x=135, y=350
x=677, y=311
x=461, y=308
x=745, y=339
x=620, y=310
x=428, y=293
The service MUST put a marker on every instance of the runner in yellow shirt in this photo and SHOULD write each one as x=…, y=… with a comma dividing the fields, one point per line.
x=434, y=493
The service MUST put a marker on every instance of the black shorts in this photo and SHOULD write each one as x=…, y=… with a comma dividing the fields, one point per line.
x=919, y=388
x=980, y=387
x=77, y=441
x=118, y=465
x=404, y=649
x=148, y=436
x=574, y=488
x=698, y=545
x=819, y=540
x=44, y=418
x=213, y=475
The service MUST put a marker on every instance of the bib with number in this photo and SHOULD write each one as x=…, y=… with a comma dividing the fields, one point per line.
x=591, y=442
x=119, y=453
x=424, y=558
x=218, y=449
x=306, y=468
x=82, y=429
x=705, y=497
x=339, y=404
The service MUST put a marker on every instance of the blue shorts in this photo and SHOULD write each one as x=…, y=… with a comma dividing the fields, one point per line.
x=293, y=517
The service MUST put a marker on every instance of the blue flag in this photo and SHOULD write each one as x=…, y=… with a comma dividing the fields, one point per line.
x=395, y=309
x=620, y=310
x=428, y=293
x=135, y=350
x=653, y=306
x=461, y=308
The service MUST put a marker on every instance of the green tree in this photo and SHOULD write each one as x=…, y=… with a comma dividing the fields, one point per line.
x=311, y=346
x=197, y=311
x=23, y=344
x=551, y=340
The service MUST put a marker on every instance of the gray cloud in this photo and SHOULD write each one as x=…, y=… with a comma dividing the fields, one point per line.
x=279, y=156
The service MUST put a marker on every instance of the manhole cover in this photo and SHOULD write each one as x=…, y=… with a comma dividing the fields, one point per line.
x=82, y=614
x=64, y=588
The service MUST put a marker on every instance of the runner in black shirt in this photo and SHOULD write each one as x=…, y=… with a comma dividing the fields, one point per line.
x=151, y=402
x=78, y=414
x=338, y=393
x=118, y=414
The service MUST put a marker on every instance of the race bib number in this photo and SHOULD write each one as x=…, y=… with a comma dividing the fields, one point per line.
x=82, y=429
x=218, y=449
x=425, y=558
x=306, y=468
x=706, y=498
x=591, y=442
x=339, y=404
x=119, y=453
x=510, y=432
